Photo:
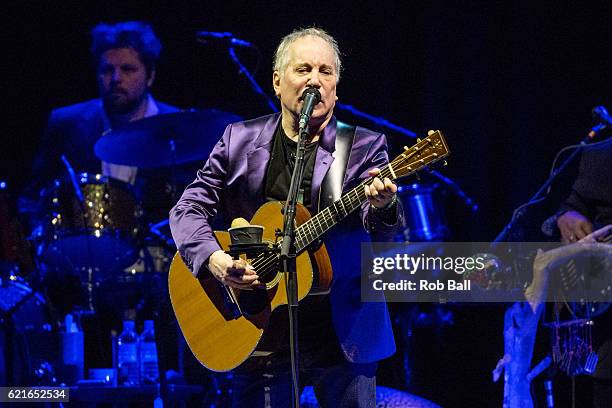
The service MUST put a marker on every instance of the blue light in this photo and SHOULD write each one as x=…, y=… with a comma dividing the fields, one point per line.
x=2, y=185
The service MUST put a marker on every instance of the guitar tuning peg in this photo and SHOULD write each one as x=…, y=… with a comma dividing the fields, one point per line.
x=445, y=163
x=418, y=140
x=430, y=132
x=405, y=147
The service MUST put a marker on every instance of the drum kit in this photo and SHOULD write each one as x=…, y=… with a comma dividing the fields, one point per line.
x=95, y=237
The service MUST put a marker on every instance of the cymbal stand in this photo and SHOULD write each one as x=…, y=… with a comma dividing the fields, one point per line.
x=83, y=208
x=287, y=257
x=254, y=85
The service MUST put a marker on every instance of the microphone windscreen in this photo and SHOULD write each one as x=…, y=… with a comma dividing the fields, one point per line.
x=599, y=112
x=313, y=91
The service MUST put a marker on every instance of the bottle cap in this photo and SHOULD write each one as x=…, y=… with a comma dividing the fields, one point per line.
x=68, y=323
x=148, y=325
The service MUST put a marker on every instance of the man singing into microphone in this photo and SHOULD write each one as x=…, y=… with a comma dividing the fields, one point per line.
x=341, y=339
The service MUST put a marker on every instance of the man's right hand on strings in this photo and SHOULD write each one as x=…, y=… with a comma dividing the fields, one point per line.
x=236, y=273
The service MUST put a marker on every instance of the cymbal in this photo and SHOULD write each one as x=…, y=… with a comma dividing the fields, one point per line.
x=165, y=140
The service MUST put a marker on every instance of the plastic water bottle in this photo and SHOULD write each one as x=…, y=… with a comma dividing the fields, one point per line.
x=72, y=350
x=127, y=355
x=149, y=371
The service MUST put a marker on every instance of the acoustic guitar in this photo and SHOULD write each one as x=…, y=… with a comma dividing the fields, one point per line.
x=224, y=326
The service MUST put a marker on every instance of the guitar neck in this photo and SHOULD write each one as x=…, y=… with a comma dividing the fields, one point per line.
x=326, y=219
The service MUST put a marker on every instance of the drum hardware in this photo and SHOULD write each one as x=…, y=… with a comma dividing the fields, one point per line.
x=167, y=140
x=164, y=238
x=14, y=245
x=424, y=213
x=152, y=259
x=26, y=335
x=75, y=184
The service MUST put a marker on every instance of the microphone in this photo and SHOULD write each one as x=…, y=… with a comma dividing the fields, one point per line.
x=222, y=37
x=601, y=114
x=311, y=97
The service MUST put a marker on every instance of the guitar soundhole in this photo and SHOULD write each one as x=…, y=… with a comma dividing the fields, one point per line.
x=253, y=302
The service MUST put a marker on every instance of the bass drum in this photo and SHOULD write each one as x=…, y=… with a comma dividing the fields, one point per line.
x=92, y=227
x=28, y=344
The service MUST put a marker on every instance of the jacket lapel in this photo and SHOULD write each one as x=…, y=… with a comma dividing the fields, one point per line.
x=258, y=158
x=323, y=161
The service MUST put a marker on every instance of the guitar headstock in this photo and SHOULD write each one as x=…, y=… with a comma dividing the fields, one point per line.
x=425, y=152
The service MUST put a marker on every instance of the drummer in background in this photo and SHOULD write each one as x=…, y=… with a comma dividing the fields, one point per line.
x=125, y=56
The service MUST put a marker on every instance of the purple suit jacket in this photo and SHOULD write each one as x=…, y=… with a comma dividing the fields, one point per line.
x=232, y=182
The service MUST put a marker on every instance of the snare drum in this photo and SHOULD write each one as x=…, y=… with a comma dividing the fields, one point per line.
x=91, y=226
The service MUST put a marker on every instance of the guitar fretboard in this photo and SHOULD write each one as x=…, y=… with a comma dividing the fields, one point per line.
x=323, y=221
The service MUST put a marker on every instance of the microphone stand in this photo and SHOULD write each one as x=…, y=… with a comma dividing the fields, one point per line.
x=454, y=188
x=287, y=257
x=540, y=194
x=83, y=209
x=378, y=121
x=254, y=85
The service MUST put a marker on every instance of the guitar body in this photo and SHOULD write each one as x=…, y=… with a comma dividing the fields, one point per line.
x=221, y=334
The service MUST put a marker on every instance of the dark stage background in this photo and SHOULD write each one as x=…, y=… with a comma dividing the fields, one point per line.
x=509, y=83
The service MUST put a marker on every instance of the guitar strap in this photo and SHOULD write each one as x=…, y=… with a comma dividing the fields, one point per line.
x=331, y=187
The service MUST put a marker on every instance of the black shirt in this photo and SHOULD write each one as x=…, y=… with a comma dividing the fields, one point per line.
x=280, y=169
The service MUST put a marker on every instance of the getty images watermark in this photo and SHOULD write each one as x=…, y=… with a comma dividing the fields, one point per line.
x=485, y=272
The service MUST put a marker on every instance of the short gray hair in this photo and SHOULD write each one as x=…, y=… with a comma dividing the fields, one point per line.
x=281, y=54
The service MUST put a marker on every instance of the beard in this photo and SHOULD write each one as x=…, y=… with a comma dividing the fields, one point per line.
x=120, y=103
